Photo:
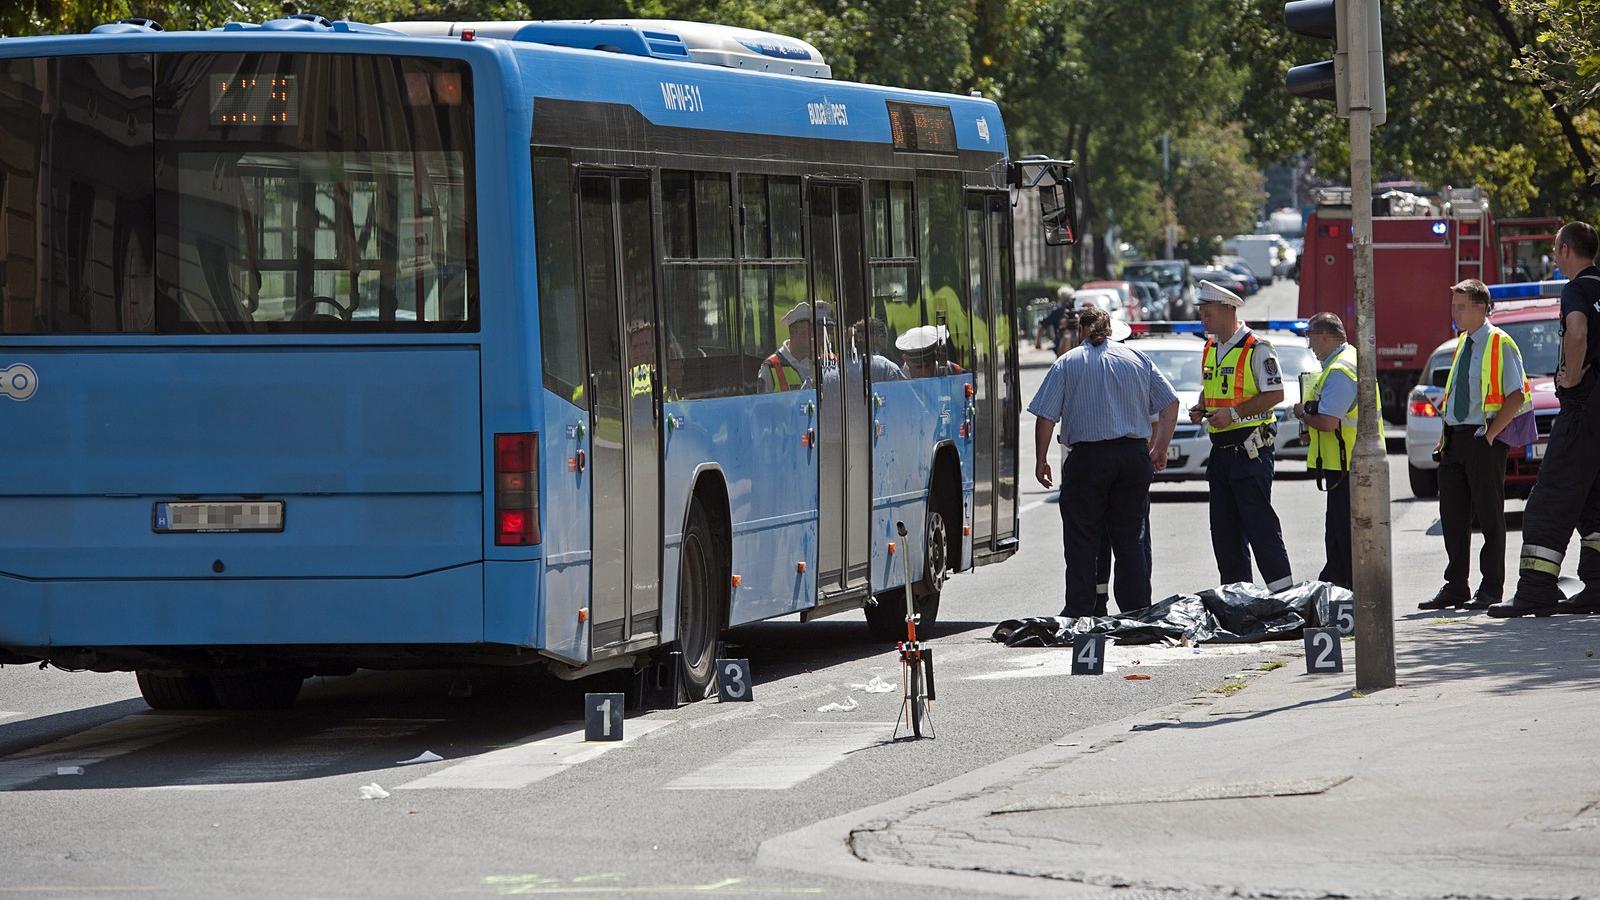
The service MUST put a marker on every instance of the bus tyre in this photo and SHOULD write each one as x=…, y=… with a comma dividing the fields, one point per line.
x=1424, y=482
x=257, y=690
x=702, y=588
x=886, y=618
x=180, y=690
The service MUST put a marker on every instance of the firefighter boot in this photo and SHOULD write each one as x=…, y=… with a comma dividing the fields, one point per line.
x=1537, y=594
x=1588, y=599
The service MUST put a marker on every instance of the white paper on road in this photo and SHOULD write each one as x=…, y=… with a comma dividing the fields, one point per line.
x=876, y=686
x=540, y=756
x=849, y=705
x=94, y=745
x=423, y=757
x=373, y=792
x=782, y=761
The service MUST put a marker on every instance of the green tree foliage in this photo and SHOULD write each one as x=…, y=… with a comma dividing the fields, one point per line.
x=1565, y=55
x=1215, y=192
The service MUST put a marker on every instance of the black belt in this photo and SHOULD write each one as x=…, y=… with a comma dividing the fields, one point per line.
x=1463, y=427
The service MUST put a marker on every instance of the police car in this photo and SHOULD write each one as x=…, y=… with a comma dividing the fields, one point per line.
x=1177, y=349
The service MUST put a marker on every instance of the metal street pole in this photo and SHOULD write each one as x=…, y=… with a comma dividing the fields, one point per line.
x=1170, y=228
x=1369, y=492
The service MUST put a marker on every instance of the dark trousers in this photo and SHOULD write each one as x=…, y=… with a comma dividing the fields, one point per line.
x=1567, y=493
x=1105, y=492
x=1102, y=566
x=1242, y=518
x=1336, y=528
x=1472, y=486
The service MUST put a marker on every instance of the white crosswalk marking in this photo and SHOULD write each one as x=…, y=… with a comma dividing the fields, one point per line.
x=297, y=758
x=541, y=755
x=784, y=760
x=97, y=744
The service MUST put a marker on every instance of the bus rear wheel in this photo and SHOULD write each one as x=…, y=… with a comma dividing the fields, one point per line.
x=273, y=689
x=886, y=616
x=175, y=690
x=701, y=588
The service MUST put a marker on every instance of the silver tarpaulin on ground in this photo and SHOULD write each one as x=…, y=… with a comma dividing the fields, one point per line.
x=1240, y=613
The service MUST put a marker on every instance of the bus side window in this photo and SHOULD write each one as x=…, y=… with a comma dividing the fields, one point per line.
x=700, y=300
x=560, y=312
x=897, y=305
x=774, y=267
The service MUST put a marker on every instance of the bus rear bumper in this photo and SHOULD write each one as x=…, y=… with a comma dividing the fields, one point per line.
x=443, y=607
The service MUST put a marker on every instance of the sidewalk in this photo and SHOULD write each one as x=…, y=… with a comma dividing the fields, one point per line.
x=1477, y=777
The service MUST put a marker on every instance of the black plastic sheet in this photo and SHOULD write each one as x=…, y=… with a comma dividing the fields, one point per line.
x=1241, y=613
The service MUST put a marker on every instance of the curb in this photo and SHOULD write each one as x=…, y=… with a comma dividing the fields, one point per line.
x=824, y=848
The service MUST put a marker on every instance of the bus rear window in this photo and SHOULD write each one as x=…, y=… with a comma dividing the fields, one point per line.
x=237, y=193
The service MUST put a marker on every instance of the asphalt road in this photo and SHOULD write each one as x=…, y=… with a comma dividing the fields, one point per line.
x=205, y=805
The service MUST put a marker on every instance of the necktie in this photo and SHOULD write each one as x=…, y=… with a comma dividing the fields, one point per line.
x=1461, y=403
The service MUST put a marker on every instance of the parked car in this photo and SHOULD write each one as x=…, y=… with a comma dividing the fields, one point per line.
x=1105, y=298
x=1216, y=275
x=1179, y=357
x=1173, y=275
x=1130, y=298
x=1536, y=327
x=1151, y=298
x=1240, y=268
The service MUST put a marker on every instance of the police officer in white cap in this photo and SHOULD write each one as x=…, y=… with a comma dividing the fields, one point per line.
x=1242, y=383
x=925, y=352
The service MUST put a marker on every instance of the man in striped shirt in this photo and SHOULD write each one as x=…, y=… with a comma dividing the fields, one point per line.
x=1104, y=394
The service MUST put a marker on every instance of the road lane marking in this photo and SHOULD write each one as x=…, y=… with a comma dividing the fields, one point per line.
x=784, y=760
x=94, y=745
x=297, y=758
x=4, y=715
x=1056, y=661
x=541, y=755
x=1054, y=497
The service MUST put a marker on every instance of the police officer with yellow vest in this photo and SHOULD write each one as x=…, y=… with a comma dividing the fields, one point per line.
x=1328, y=407
x=1242, y=384
x=1482, y=395
x=790, y=368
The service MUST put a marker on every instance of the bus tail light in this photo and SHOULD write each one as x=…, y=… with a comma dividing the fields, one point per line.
x=516, y=489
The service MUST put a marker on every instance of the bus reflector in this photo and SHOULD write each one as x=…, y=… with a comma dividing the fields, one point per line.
x=516, y=489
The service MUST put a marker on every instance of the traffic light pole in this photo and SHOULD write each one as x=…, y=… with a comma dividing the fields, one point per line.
x=1369, y=490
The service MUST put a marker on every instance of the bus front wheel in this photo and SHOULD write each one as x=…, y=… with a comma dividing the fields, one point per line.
x=701, y=587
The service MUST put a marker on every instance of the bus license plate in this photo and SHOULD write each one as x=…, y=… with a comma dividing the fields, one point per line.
x=214, y=518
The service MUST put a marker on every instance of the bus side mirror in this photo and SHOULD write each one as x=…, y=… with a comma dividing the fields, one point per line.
x=1058, y=201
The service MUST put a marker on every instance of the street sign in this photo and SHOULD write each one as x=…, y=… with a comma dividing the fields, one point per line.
x=602, y=717
x=1324, y=652
x=733, y=681
x=1088, y=654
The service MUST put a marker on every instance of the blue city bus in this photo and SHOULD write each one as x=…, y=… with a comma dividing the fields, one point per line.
x=327, y=345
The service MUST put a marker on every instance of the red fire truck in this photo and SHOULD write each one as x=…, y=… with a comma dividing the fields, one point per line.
x=1421, y=245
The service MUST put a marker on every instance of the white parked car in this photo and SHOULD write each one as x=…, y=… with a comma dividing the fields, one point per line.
x=1106, y=298
x=1178, y=357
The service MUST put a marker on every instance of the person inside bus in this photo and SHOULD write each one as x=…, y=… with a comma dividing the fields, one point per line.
x=866, y=336
x=790, y=367
x=925, y=352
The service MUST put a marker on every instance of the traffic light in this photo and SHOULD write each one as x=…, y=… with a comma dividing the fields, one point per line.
x=1330, y=79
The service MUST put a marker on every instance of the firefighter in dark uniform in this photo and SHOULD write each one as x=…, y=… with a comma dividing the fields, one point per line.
x=1242, y=385
x=1567, y=493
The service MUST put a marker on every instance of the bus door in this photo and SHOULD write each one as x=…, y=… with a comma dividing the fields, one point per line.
x=618, y=259
x=988, y=224
x=838, y=279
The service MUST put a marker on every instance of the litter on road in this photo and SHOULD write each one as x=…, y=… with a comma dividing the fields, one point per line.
x=849, y=705
x=423, y=757
x=373, y=792
x=875, y=686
